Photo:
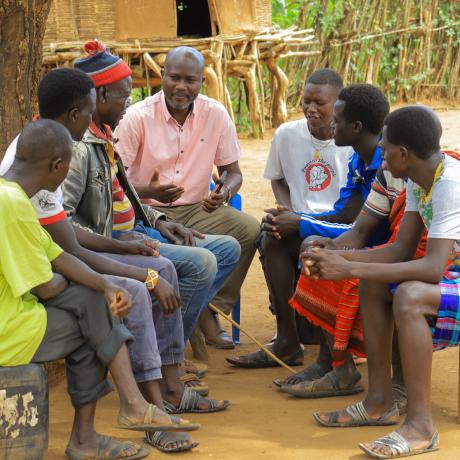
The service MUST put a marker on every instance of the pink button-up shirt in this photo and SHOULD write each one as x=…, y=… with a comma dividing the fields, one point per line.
x=149, y=138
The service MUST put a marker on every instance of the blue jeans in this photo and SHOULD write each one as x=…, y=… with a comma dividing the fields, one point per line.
x=201, y=270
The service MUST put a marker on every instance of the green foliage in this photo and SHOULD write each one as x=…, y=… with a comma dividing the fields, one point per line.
x=399, y=72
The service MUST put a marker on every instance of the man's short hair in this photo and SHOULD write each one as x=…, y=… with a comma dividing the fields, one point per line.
x=43, y=139
x=367, y=104
x=62, y=89
x=326, y=77
x=415, y=127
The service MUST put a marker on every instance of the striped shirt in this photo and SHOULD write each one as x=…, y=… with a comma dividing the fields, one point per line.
x=123, y=212
x=385, y=190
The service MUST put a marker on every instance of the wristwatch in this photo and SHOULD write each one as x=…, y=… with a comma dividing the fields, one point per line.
x=152, y=279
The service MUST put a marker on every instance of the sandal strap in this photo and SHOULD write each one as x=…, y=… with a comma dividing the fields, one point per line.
x=358, y=412
x=189, y=399
x=155, y=438
x=150, y=414
x=189, y=377
x=105, y=451
x=189, y=402
x=103, y=445
x=169, y=407
x=397, y=443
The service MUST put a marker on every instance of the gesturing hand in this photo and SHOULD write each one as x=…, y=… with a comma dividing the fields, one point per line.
x=166, y=193
x=167, y=296
x=177, y=233
x=118, y=299
x=219, y=195
x=214, y=200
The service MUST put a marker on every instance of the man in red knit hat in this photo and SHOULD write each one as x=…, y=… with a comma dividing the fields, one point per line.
x=88, y=199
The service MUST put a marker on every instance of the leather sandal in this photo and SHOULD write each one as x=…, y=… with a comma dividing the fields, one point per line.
x=260, y=360
x=359, y=417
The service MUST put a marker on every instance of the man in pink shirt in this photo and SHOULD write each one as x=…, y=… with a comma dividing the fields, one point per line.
x=170, y=143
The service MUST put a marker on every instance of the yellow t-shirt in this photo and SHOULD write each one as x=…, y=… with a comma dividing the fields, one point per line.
x=26, y=250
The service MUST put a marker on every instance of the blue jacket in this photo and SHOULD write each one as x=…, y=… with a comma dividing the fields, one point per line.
x=351, y=199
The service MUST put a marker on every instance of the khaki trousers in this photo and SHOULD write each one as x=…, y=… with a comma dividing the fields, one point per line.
x=223, y=221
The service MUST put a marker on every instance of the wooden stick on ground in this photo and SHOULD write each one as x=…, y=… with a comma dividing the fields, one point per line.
x=262, y=347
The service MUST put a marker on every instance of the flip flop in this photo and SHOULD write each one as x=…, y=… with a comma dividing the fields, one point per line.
x=260, y=360
x=313, y=372
x=202, y=389
x=156, y=439
x=325, y=387
x=189, y=404
x=105, y=452
x=177, y=423
x=359, y=417
x=399, y=447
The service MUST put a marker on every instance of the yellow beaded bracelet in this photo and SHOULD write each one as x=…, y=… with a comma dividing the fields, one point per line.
x=152, y=279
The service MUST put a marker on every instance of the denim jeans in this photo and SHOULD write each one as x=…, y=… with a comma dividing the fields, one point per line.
x=201, y=270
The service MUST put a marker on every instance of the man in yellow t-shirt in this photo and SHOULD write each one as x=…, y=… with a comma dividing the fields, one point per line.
x=26, y=251
x=70, y=321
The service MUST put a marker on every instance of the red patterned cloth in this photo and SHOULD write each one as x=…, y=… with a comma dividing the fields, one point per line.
x=334, y=305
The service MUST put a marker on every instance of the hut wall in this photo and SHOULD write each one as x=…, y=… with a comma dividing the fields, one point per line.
x=81, y=20
x=234, y=16
x=138, y=19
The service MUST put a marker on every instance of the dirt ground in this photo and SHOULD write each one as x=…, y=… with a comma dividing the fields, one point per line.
x=263, y=422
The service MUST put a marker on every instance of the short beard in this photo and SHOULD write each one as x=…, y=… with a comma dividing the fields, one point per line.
x=174, y=106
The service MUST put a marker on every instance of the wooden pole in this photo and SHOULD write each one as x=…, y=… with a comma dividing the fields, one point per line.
x=262, y=347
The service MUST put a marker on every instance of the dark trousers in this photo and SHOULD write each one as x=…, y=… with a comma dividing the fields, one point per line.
x=81, y=329
x=280, y=263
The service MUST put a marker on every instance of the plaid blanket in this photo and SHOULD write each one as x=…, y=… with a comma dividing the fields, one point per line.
x=445, y=328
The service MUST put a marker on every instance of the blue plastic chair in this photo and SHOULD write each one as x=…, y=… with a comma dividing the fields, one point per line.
x=237, y=203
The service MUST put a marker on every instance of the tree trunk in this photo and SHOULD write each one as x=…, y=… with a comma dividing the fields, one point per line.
x=22, y=27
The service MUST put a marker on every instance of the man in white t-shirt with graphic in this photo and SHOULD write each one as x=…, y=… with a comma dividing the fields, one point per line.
x=304, y=165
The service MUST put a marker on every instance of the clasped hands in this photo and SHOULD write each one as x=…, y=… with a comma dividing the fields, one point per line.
x=320, y=260
x=280, y=222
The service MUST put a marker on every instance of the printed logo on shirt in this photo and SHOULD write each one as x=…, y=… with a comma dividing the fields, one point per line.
x=46, y=202
x=318, y=175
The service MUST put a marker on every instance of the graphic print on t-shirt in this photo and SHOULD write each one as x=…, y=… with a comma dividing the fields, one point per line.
x=318, y=174
x=46, y=201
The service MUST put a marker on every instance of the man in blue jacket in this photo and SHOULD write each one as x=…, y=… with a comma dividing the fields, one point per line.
x=358, y=119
